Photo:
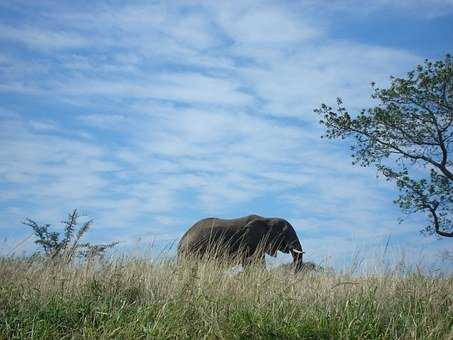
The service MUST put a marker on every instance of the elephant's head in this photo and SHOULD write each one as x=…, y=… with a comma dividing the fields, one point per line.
x=274, y=234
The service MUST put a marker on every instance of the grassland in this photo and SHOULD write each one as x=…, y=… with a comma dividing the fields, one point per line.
x=131, y=298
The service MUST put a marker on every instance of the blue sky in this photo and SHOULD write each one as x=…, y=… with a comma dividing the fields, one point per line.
x=148, y=116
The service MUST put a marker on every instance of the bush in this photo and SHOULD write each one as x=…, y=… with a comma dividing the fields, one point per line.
x=67, y=246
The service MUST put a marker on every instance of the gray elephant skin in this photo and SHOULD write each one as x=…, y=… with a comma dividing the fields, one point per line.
x=245, y=240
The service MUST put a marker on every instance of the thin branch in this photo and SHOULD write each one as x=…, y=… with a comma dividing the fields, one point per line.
x=437, y=223
x=444, y=170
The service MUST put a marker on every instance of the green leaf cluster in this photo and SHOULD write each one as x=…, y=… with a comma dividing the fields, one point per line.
x=67, y=246
x=408, y=137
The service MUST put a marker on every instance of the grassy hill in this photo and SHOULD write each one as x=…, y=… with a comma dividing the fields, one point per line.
x=132, y=298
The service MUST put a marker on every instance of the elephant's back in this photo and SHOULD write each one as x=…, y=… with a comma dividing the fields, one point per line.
x=213, y=224
x=212, y=228
x=200, y=231
x=190, y=237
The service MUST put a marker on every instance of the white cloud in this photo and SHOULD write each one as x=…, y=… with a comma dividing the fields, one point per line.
x=43, y=39
x=188, y=109
x=292, y=85
x=108, y=121
x=181, y=87
x=265, y=25
x=43, y=126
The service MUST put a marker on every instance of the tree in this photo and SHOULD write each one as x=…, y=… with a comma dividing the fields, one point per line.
x=408, y=137
x=69, y=244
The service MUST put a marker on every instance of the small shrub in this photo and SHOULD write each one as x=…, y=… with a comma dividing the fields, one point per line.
x=67, y=246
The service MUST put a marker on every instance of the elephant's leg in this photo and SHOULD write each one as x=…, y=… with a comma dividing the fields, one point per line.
x=261, y=262
x=258, y=260
x=258, y=263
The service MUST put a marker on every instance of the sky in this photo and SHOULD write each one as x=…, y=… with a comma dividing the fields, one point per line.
x=148, y=116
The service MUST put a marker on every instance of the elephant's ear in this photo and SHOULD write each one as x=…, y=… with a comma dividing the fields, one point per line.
x=257, y=236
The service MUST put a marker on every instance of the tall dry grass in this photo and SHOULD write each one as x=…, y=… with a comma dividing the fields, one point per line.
x=134, y=298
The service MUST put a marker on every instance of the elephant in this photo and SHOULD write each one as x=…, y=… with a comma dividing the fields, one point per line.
x=243, y=240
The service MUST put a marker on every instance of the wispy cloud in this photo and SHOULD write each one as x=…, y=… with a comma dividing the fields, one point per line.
x=42, y=39
x=149, y=116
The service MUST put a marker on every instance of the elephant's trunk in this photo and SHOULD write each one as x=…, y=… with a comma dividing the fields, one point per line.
x=294, y=246
x=297, y=259
x=297, y=254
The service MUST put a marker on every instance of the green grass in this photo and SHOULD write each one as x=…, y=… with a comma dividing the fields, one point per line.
x=139, y=299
